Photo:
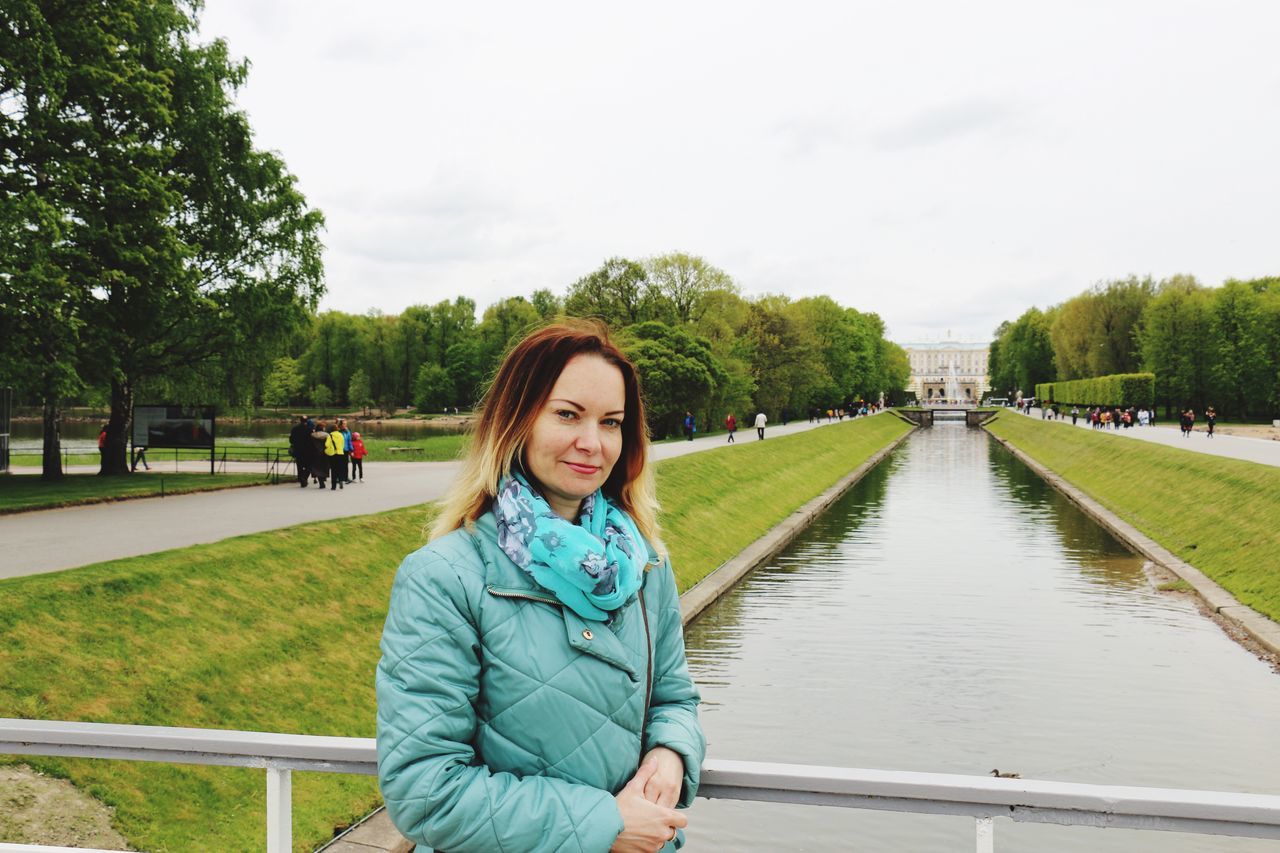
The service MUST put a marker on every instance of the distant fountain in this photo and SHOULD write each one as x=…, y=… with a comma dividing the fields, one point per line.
x=953, y=384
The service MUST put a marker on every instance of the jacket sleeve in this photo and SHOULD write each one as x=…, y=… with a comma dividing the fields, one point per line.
x=673, y=711
x=436, y=790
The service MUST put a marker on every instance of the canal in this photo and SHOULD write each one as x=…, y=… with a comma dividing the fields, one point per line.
x=953, y=613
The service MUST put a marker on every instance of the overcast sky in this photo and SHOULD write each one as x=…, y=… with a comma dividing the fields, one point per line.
x=943, y=164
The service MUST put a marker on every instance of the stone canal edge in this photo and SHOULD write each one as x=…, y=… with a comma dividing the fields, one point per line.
x=1258, y=627
x=375, y=832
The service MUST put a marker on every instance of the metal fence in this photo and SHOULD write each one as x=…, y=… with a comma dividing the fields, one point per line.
x=980, y=798
x=6, y=419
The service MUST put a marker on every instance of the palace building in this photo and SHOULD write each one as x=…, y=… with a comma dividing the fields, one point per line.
x=948, y=372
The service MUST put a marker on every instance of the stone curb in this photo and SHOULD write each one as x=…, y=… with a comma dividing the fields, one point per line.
x=376, y=833
x=704, y=593
x=1261, y=629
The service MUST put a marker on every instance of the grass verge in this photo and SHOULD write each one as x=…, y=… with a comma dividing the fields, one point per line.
x=1217, y=514
x=21, y=493
x=278, y=631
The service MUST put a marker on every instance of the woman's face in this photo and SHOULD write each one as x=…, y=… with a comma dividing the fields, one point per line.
x=577, y=437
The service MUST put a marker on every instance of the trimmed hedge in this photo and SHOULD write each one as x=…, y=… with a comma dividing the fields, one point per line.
x=1119, y=389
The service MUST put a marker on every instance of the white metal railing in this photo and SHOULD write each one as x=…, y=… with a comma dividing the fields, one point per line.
x=983, y=798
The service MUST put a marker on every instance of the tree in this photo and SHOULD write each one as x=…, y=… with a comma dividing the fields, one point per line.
x=685, y=280
x=283, y=383
x=504, y=323
x=618, y=293
x=322, y=396
x=678, y=373
x=43, y=285
x=358, y=393
x=1241, y=375
x=183, y=247
x=1174, y=338
x=432, y=388
x=546, y=303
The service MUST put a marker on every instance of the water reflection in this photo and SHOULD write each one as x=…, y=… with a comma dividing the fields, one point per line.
x=953, y=613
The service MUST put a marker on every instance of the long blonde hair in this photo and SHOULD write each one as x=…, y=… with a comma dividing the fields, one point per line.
x=515, y=398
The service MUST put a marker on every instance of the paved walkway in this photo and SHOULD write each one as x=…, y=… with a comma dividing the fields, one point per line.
x=1259, y=450
x=56, y=539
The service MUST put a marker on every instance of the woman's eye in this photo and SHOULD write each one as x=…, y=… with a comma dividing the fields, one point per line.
x=566, y=414
x=612, y=423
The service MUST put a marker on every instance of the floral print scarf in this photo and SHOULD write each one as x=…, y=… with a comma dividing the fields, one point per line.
x=593, y=566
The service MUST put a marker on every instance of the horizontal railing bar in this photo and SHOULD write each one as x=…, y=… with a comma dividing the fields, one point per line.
x=186, y=746
x=1073, y=803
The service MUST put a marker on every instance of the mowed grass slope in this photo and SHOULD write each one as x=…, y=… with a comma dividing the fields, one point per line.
x=1220, y=515
x=24, y=492
x=278, y=631
x=715, y=504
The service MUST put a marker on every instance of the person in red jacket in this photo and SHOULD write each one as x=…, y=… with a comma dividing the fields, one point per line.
x=358, y=453
x=731, y=424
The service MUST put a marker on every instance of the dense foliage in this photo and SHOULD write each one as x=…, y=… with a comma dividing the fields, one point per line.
x=146, y=247
x=1118, y=389
x=1205, y=346
x=700, y=347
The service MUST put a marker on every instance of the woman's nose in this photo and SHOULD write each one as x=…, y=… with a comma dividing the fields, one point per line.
x=588, y=438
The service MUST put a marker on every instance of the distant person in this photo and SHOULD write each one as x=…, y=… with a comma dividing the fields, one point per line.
x=300, y=449
x=346, y=450
x=731, y=424
x=761, y=420
x=140, y=455
x=358, y=453
x=690, y=426
x=320, y=462
x=102, y=446
x=1210, y=418
x=1186, y=421
x=1075, y=414
x=333, y=449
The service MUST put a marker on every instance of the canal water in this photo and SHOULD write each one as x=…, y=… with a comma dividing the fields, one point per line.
x=953, y=613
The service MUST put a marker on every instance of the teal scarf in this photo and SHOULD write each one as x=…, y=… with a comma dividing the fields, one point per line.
x=593, y=566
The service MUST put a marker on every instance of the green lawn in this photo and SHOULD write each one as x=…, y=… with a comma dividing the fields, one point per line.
x=22, y=492
x=1218, y=514
x=278, y=631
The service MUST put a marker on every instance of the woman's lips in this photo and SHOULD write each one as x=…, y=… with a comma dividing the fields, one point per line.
x=583, y=469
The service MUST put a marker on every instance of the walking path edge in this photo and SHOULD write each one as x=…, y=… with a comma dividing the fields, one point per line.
x=1257, y=626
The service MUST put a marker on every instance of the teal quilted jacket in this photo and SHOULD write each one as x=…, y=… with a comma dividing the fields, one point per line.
x=505, y=721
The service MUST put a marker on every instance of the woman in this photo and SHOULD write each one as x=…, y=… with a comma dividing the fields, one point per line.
x=533, y=692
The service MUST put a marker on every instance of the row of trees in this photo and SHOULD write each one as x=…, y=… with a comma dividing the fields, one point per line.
x=699, y=344
x=1215, y=346
x=144, y=242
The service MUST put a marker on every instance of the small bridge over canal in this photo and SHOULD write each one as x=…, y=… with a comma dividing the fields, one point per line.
x=926, y=415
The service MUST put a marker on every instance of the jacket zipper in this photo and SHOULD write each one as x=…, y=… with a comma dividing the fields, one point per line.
x=526, y=596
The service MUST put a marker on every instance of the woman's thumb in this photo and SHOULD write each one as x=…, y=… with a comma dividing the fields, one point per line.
x=638, y=781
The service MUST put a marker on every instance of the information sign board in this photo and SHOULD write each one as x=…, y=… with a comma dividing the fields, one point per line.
x=173, y=426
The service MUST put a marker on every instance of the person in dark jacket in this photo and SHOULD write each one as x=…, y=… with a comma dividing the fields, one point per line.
x=533, y=693
x=300, y=449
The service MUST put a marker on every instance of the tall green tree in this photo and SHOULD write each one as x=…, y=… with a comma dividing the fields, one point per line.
x=618, y=293
x=1241, y=375
x=1176, y=343
x=183, y=246
x=678, y=371
x=684, y=281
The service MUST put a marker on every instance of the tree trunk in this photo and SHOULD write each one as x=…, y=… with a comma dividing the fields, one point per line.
x=115, y=460
x=51, y=461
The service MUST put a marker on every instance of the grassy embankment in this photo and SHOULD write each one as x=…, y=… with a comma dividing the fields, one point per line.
x=278, y=631
x=28, y=492
x=1217, y=514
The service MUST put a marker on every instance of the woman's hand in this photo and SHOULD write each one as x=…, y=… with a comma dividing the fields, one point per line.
x=646, y=826
x=664, y=785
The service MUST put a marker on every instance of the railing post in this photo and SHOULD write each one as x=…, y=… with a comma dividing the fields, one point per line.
x=279, y=811
x=986, y=835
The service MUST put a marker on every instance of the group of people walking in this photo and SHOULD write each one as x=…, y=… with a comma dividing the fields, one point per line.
x=1187, y=421
x=323, y=453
